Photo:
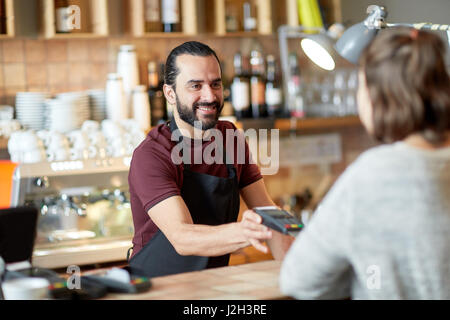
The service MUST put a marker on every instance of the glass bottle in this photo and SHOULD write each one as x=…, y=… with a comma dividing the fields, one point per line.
x=62, y=16
x=296, y=102
x=240, y=90
x=257, y=85
x=274, y=98
x=171, y=15
x=2, y=17
x=152, y=16
x=249, y=20
x=156, y=97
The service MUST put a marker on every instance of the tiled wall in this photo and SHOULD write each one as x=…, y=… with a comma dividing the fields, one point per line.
x=79, y=64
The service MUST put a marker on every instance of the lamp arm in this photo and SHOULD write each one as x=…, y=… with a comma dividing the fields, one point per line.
x=419, y=26
x=377, y=15
x=422, y=26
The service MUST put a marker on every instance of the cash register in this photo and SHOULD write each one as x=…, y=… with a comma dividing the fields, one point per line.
x=17, y=237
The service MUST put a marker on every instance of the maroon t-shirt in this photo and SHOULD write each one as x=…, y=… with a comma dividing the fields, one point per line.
x=154, y=177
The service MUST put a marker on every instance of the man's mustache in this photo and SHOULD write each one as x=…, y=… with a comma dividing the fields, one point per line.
x=207, y=104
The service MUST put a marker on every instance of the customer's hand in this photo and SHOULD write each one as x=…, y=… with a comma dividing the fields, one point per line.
x=255, y=232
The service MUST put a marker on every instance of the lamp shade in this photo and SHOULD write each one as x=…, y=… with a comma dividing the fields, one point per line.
x=320, y=49
x=354, y=41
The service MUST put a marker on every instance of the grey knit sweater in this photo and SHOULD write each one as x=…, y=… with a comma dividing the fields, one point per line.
x=382, y=232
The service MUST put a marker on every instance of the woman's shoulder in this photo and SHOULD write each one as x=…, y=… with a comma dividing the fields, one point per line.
x=379, y=155
x=375, y=160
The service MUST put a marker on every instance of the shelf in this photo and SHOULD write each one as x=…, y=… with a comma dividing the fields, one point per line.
x=76, y=36
x=9, y=13
x=299, y=124
x=317, y=123
x=195, y=19
x=97, y=24
x=136, y=20
x=161, y=35
x=244, y=34
x=178, y=35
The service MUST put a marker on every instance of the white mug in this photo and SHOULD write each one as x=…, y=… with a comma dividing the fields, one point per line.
x=79, y=139
x=97, y=139
x=30, y=140
x=45, y=136
x=111, y=129
x=26, y=289
x=90, y=126
x=79, y=154
x=6, y=113
x=33, y=156
x=59, y=154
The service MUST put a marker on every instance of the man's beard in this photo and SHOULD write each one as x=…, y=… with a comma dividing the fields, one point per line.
x=189, y=115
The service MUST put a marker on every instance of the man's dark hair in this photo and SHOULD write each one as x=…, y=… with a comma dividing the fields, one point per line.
x=193, y=48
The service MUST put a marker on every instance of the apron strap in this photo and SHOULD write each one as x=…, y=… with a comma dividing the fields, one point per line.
x=128, y=253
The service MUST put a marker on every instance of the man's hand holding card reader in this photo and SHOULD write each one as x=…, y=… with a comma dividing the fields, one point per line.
x=279, y=220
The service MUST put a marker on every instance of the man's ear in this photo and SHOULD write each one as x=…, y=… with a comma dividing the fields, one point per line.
x=170, y=94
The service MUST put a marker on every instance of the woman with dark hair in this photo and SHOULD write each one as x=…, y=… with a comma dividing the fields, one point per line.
x=383, y=231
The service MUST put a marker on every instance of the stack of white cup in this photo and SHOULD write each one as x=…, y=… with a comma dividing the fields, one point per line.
x=116, y=107
x=141, y=108
x=127, y=68
x=122, y=137
x=7, y=124
x=57, y=145
x=26, y=147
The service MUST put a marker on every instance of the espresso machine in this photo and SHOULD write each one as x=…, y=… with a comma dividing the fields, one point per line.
x=84, y=210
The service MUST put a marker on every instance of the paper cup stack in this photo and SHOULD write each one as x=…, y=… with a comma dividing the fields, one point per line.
x=30, y=109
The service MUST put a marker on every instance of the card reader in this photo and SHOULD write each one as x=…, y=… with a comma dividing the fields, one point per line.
x=279, y=220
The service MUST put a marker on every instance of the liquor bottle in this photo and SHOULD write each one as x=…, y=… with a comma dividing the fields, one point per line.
x=152, y=16
x=274, y=98
x=227, y=110
x=296, y=103
x=249, y=20
x=257, y=85
x=62, y=16
x=171, y=15
x=240, y=90
x=156, y=97
x=2, y=17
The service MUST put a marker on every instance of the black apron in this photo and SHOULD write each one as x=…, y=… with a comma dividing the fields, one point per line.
x=211, y=201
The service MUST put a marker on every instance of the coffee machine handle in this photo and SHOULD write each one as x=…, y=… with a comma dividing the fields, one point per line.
x=2, y=272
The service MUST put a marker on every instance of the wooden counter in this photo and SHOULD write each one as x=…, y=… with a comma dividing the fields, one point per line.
x=252, y=281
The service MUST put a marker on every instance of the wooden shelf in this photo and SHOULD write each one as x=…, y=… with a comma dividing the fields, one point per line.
x=194, y=19
x=136, y=20
x=97, y=24
x=317, y=123
x=298, y=123
x=160, y=35
x=10, y=26
x=244, y=34
x=76, y=36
